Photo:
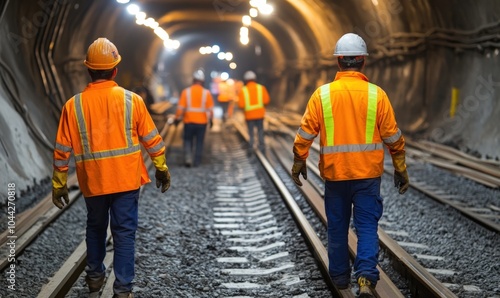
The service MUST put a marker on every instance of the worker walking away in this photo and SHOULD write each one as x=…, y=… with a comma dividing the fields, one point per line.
x=354, y=118
x=253, y=98
x=195, y=109
x=103, y=126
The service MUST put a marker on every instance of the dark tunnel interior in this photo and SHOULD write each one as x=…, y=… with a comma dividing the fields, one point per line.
x=438, y=61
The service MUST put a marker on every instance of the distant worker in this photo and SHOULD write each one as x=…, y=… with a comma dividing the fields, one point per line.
x=227, y=94
x=195, y=108
x=354, y=118
x=253, y=98
x=103, y=126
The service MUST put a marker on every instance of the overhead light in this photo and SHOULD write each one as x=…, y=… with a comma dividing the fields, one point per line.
x=229, y=56
x=133, y=9
x=232, y=65
x=224, y=76
x=215, y=49
x=123, y=1
x=253, y=12
x=244, y=40
x=246, y=20
x=140, y=15
x=266, y=9
x=221, y=55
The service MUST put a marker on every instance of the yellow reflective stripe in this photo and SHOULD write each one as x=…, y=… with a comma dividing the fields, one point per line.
x=128, y=117
x=327, y=114
x=371, y=113
x=108, y=153
x=82, y=128
x=351, y=148
x=259, y=104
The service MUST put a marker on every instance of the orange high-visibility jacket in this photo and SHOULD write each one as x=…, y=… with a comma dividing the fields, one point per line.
x=196, y=104
x=354, y=118
x=103, y=126
x=253, y=98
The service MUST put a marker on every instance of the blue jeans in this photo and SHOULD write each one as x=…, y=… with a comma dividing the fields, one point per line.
x=259, y=124
x=192, y=132
x=363, y=196
x=123, y=208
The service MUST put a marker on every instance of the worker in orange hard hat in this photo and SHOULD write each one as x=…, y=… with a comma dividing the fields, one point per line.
x=195, y=109
x=104, y=127
x=354, y=119
x=253, y=98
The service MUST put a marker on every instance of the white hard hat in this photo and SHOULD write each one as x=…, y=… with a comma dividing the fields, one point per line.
x=350, y=44
x=199, y=75
x=249, y=75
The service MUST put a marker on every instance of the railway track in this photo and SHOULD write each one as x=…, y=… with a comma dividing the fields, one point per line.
x=486, y=216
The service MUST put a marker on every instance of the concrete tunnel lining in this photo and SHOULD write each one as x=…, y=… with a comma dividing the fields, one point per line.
x=420, y=50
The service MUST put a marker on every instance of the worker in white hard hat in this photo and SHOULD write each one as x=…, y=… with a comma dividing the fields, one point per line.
x=195, y=109
x=253, y=98
x=354, y=119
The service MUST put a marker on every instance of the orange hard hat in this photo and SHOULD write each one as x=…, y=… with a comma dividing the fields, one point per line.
x=102, y=55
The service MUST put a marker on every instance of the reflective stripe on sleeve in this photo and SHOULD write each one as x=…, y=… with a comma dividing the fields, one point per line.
x=61, y=162
x=327, y=114
x=351, y=148
x=156, y=148
x=305, y=135
x=63, y=148
x=371, y=113
x=393, y=138
x=149, y=136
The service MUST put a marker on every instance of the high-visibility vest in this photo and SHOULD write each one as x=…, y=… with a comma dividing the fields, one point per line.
x=195, y=105
x=103, y=127
x=329, y=124
x=248, y=105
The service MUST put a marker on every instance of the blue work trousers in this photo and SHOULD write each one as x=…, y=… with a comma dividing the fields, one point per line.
x=363, y=197
x=194, y=135
x=123, y=208
x=259, y=125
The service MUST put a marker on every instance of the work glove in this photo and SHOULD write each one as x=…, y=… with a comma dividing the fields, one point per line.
x=401, y=179
x=163, y=180
x=299, y=167
x=177, y=121
x=211, y=123
x=60, y=194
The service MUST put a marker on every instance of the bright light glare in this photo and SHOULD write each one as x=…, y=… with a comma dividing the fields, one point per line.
x=221, y=55
x=232, y=65
x=133, y=9
x=224, y=76
x=215, y=49
x=246, y=20
x=266, y=9
x=257, y=3
x=140, y=15
x=123, y=1
x=229, y=56
x=375, y=2
x=244, y=40
x=243, y=31
x=254, y=12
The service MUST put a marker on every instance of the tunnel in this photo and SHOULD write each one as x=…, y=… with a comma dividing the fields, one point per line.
x=438, y=61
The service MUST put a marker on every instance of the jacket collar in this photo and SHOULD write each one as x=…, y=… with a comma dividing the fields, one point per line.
x=101, y=85
x=356, y=75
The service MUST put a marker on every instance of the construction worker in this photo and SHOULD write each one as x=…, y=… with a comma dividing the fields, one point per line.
x=353, y=118
x=195, y=108
x=103, y=126
x=253, y=98
x=227, y=93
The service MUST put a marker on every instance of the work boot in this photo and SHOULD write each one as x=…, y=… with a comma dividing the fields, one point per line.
x=94, y=285
x=124, y=295
x=366, y=288
x=189, y=161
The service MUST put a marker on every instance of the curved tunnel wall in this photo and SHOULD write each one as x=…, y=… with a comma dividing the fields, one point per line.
x=419, y=51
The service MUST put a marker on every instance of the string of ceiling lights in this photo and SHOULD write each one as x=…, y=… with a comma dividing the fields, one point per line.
x=256, y=7
x=142, y=19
